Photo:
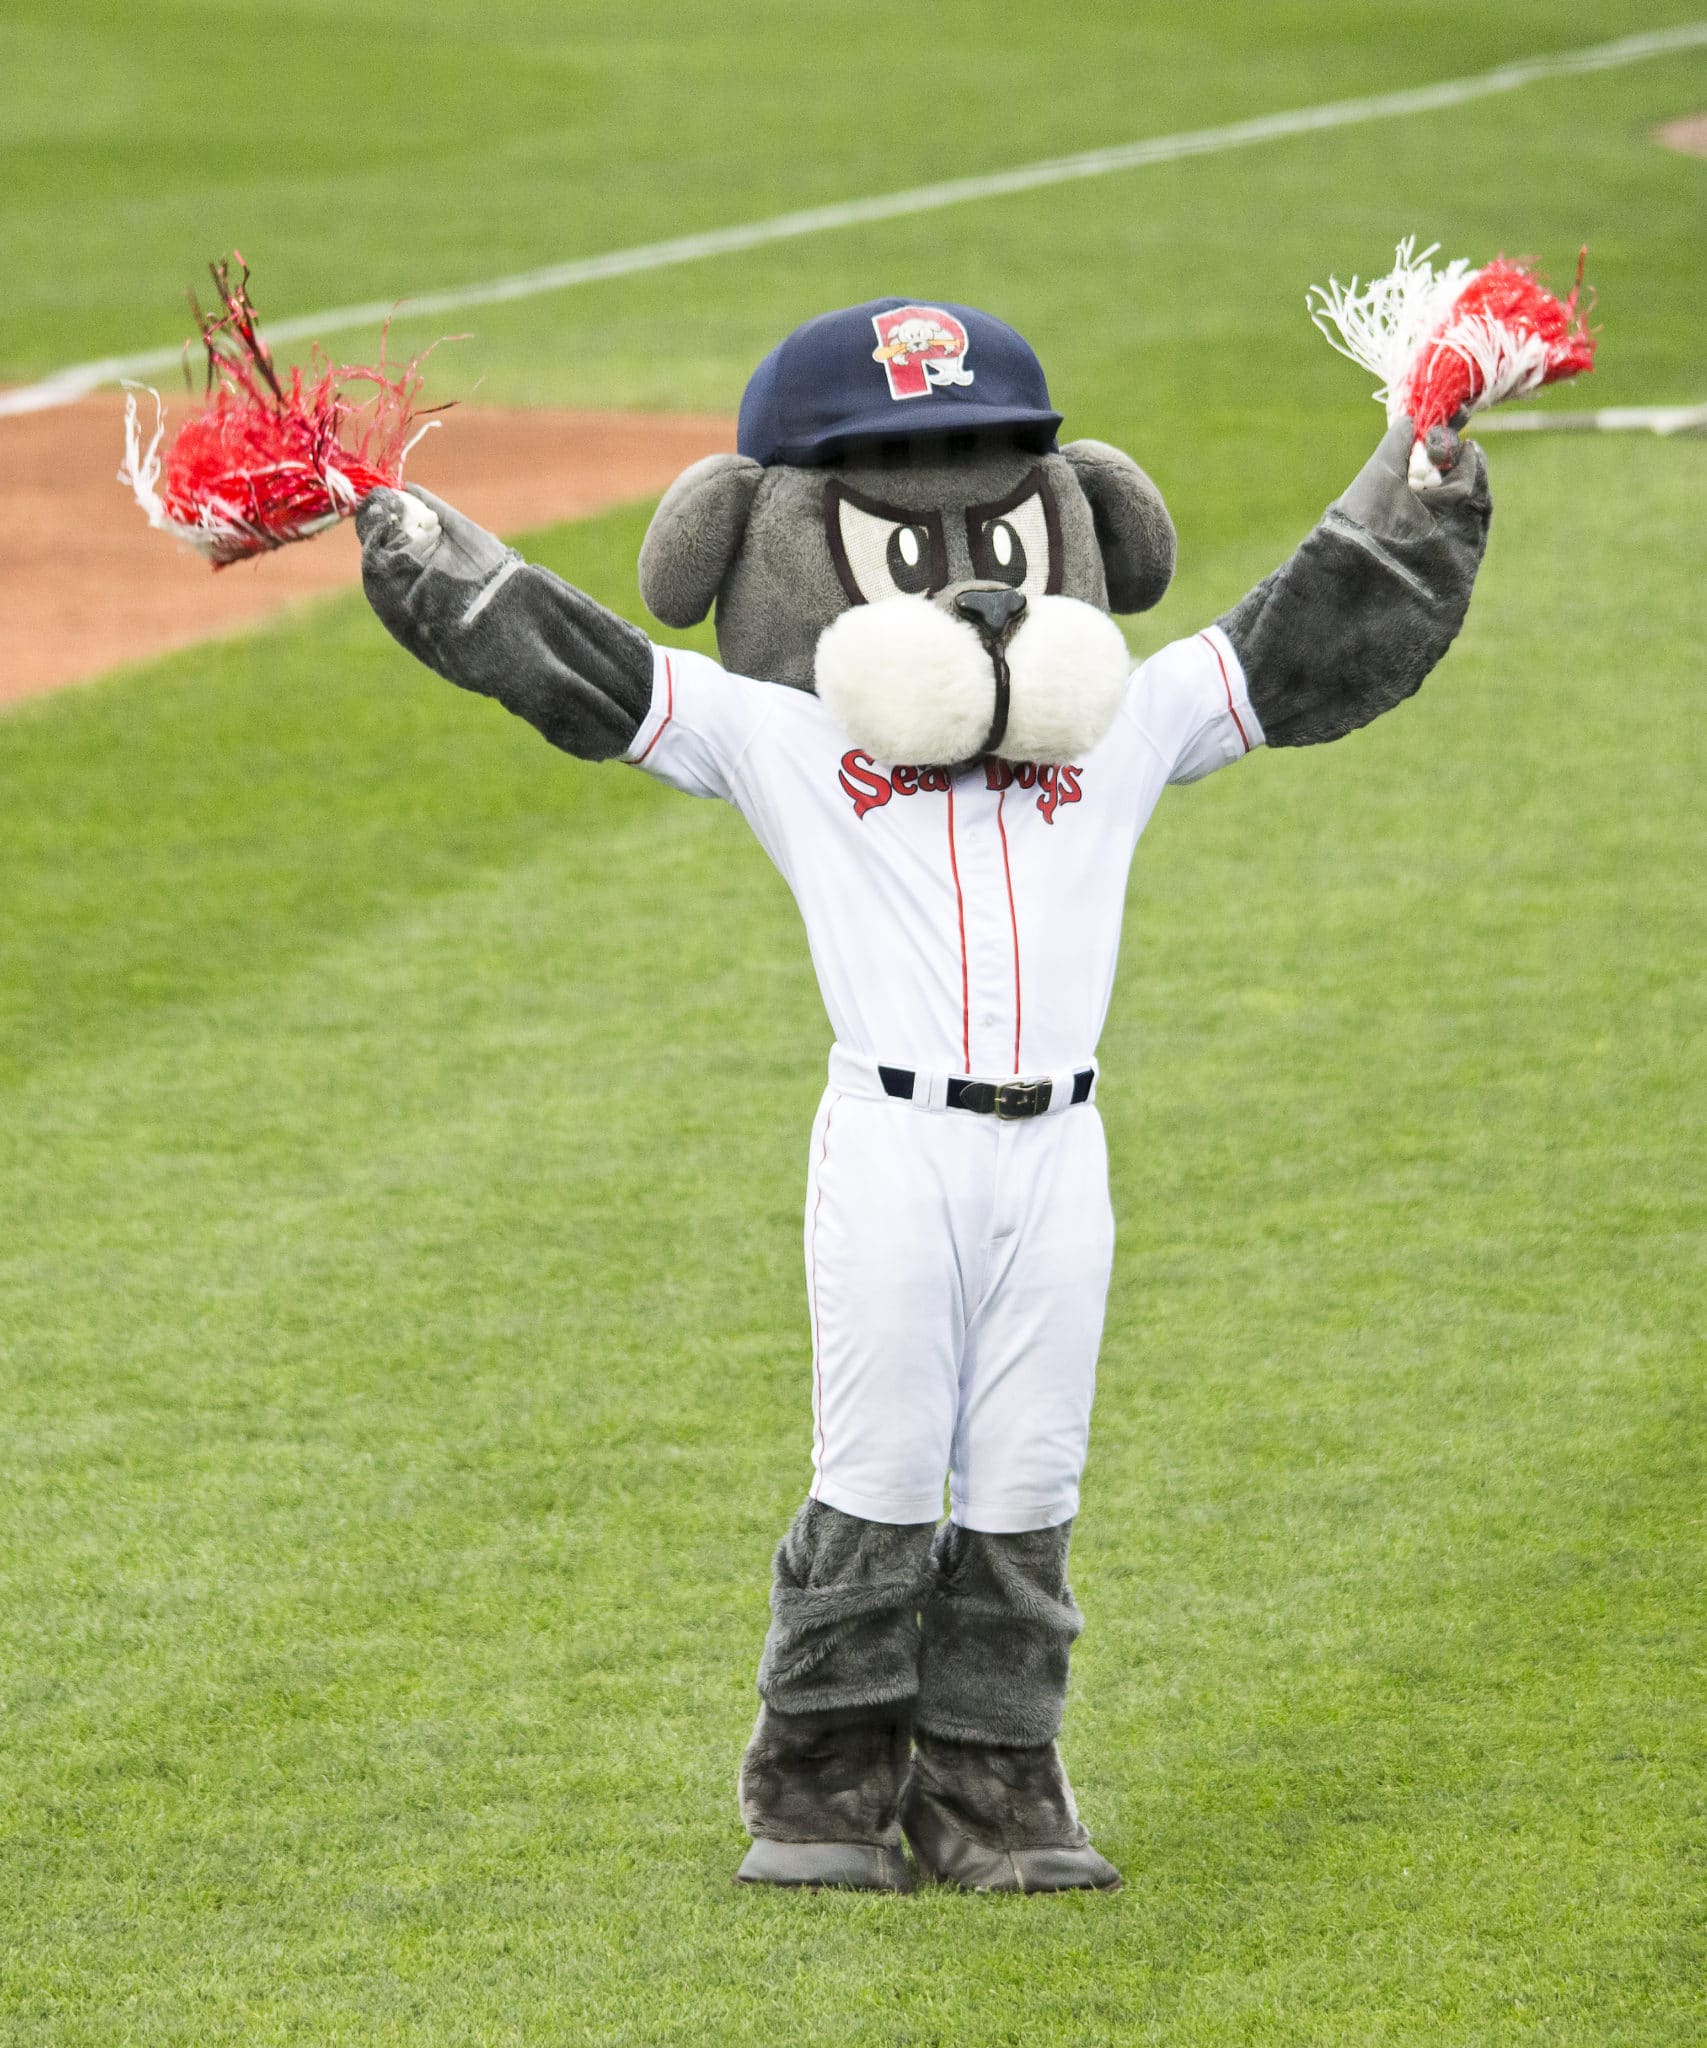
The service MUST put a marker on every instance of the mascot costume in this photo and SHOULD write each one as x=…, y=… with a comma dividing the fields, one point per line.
x=928, y=717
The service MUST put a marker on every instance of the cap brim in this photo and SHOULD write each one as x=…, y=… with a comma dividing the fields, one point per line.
x=912, y=420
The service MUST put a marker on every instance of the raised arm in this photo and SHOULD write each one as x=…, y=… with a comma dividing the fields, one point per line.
x=475, y=612
x=1370, y=602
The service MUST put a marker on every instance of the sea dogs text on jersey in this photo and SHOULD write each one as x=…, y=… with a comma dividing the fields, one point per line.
x=869, y=789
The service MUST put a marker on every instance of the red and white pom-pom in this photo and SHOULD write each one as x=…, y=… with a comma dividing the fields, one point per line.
x=267, y=462
x=1447, y=343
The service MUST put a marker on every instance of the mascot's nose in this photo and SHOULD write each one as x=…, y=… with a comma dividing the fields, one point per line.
x=992, y=611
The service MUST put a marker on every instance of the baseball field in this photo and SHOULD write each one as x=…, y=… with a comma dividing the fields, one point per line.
x=404, y=1364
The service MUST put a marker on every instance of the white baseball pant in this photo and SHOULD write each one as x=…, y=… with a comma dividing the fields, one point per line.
x=957, y=1273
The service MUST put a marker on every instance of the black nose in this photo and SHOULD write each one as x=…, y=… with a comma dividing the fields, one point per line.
x=991, y=611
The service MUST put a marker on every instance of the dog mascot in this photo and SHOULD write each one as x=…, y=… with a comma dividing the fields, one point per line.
x=928, y=717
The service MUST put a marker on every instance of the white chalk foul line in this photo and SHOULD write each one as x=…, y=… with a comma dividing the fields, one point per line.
x=1610, y=419
x=80, y=378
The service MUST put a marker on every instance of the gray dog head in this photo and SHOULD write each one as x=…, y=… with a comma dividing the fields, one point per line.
x=947, y=593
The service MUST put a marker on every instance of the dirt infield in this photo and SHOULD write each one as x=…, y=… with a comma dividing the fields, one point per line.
x=1690, y=136
x=85, y=583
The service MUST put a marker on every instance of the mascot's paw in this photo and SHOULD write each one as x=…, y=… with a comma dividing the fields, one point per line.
x=414, y=527
x=429, y=573
x=388, y=519
x=417, y=523
x=999, y=1820
x=1434, y=458
x=821, y=1797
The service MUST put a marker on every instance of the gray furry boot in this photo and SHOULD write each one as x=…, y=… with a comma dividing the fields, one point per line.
x=987, y=1805
x=821, y=1779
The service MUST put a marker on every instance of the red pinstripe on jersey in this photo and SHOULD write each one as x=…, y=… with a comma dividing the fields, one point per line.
x=1013, y=919
x=965, y=972
x=669, y=711
x=1228, y=687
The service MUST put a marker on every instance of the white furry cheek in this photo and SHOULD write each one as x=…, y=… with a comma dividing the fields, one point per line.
x=1068, y=664
x=905, y=681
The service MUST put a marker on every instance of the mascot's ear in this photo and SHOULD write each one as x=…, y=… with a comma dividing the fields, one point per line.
x=695, y=534
x=1132, y=524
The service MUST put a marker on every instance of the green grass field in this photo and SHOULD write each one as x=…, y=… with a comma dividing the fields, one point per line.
x=403, y=1353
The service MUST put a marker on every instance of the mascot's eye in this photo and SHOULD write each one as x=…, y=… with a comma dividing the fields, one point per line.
x=1018, y=541
x=909, y=564
x=882, y=550
x=1007, y=555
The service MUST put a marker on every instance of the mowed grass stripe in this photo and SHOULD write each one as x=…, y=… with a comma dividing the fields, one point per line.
x=405, y=1364
x=1442, y=96
x=512, y=140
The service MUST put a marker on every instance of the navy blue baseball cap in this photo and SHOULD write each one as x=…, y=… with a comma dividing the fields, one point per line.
x=892, y=369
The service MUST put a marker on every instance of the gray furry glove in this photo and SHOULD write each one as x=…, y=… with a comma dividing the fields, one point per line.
x=1385, y=500
x=429, y=572
x=1373, y=598
x=470, y=608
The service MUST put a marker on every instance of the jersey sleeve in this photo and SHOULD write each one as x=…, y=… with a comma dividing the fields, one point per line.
x=701, y=721
x=1191, y=705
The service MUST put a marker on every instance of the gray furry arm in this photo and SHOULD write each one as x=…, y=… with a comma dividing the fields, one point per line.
x=1353, y=622
x=484, y=619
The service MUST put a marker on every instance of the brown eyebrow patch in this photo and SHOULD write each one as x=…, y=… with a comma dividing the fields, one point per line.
x=836, y=494
x=980, y=516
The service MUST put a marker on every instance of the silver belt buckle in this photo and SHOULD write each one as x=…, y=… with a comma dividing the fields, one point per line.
x=1018, y=1099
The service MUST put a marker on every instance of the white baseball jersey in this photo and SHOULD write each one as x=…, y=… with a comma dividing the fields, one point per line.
x=956, y=1265
x=966, y=924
